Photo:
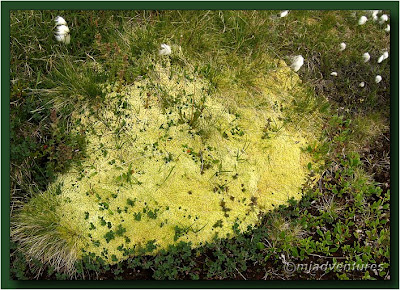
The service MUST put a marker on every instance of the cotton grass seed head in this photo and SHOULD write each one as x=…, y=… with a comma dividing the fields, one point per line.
x=378, y=79
x=366, y=57
x=362, y=20
x=60, y=21
x=383, y=19
x=62, y=29
x=361, y=85
x=62, y=34
x=64, y=38
x=165, y=49
x=385, y=55
x=375, y=12
x=60, y=38
x=284, y=13
x=334, y=74
x=387, y=29
x=342, y=46
x=297, y=63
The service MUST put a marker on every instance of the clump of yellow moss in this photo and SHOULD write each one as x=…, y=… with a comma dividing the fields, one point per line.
x=171, y=160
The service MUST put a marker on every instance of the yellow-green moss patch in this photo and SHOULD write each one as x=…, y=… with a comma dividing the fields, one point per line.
x=170, y=159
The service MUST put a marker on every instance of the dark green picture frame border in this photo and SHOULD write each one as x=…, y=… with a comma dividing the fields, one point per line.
x=6, y=6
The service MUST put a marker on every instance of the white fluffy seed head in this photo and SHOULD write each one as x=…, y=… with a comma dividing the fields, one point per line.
x=342, y=46
x=334, y=74
x=284, y=13
x=64, y=38
x=383, y=19
x=60, y=21
x=165, y=49
x=297, y=63
x=361, y=85
x=375, y=12
x=366, y=57
x=362, y=20
x=62, y=34
x=62, y=30
x=387, y=29
x=60, y=37
x=385, y=55
x=378, y=78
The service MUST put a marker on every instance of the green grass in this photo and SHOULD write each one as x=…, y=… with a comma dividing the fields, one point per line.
x=43, y=236
x=344, y=217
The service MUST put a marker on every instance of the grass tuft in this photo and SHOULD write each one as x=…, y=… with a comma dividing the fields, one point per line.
x=37, y=229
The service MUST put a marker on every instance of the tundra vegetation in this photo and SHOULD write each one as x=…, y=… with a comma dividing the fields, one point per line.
x=190, y=145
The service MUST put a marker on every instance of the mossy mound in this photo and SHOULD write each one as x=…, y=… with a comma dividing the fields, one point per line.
x=171, y=160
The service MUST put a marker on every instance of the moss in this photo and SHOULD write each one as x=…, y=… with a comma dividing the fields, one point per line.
x=184, y=162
